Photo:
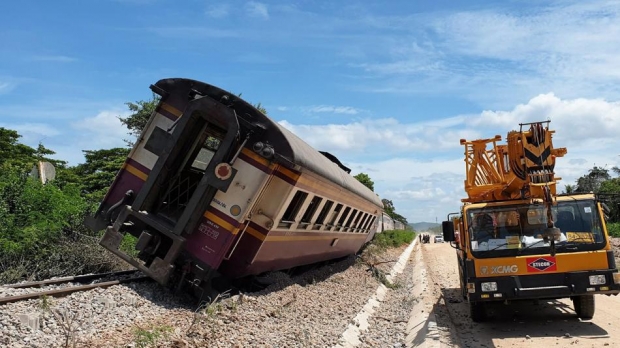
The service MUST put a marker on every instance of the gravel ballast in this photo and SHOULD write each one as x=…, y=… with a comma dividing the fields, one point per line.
x=309, y=310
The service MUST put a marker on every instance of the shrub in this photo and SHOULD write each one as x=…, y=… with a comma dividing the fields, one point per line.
x=614, y=229
x=393, y=238
x=42, y=232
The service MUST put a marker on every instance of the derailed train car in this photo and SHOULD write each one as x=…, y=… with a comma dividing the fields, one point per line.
x=387, y=223
x=214, y=187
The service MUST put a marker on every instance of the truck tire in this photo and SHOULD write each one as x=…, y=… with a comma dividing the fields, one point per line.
x=477, y=311
x=584, y=306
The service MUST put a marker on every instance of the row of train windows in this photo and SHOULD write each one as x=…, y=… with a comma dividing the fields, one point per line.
x=351, y=220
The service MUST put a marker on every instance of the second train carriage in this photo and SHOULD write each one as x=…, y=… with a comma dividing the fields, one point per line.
x=213, y=186
x=387, y=223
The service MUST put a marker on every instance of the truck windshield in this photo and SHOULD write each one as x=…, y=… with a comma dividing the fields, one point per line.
x=518, y=229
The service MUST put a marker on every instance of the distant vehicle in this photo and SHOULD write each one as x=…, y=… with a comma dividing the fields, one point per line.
x=438, y=239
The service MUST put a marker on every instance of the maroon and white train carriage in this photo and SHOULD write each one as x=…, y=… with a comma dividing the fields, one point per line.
x=213, y=186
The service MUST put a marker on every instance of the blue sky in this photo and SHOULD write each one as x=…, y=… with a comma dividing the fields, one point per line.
x=388, y=87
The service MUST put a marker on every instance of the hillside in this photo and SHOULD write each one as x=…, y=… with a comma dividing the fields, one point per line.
x=424, y=226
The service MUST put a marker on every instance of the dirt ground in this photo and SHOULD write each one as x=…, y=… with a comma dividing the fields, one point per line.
x=548, y=324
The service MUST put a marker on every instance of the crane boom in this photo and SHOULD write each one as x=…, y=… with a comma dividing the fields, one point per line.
x=523, y=168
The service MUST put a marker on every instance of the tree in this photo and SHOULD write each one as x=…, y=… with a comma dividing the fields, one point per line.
x=23, y=157
x=365, y=179
x=99, y=170
x=592, y=181
x=141, y=112
x=569, y=188
x=388, y=206
x=14, y=154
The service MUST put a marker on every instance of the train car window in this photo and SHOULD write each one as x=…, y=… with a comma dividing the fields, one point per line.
x=343, y=217
x=291, y=211
x=371, y=223
x=322, y=215
x=359, y=221
x=332, y=220
x=212, y=139
x=366, y=223
x=349, y=226
x=312, y=207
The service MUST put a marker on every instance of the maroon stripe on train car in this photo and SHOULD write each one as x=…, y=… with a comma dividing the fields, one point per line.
x=124, y=182
x=138, y=166
x=241, y=257
x=223, y=216
x=167, y=114
x=259, y=228
x=255, y=163
x=285, y=177
x=209, y=242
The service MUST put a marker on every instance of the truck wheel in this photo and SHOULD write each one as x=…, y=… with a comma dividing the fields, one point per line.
x=477, y=312
x=584, y=306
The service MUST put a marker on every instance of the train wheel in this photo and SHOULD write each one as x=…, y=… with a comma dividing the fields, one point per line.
x=477, y=311
x=584, y=306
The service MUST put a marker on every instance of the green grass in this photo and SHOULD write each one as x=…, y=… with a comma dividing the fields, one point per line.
x=614, y=229
x=393, y=238
x=148, y=338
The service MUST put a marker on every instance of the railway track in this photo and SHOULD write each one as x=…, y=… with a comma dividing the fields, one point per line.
x=70, y=288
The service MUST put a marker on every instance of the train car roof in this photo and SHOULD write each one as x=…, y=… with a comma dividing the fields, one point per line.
x=175, y=91
x=309, y=158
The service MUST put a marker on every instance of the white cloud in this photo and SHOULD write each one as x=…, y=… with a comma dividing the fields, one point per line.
x=5, y=87
x=33, y=133
x=578, y=122
x=384, y=136
x=101, y=131
x=334, y=109
x=257, y=9
x=427, y=172
x=217, y=11
x=500, y=55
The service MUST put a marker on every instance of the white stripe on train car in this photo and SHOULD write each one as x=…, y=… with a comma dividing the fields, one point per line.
x=143, y=156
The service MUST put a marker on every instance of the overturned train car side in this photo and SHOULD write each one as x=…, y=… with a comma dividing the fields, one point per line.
x=214, y=187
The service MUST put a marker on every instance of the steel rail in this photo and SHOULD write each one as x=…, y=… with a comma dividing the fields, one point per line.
x=68, y=290
x=78, y=279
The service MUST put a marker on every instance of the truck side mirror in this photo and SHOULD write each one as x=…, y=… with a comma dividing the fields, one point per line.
x=448, y=231
x=606, y=209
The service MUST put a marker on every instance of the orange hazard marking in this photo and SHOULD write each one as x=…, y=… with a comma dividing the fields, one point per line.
x=224, y=224
x=171, y=109
x=135, y=171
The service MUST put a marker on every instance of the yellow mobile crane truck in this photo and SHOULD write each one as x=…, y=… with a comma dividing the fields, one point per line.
x=517, y=239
